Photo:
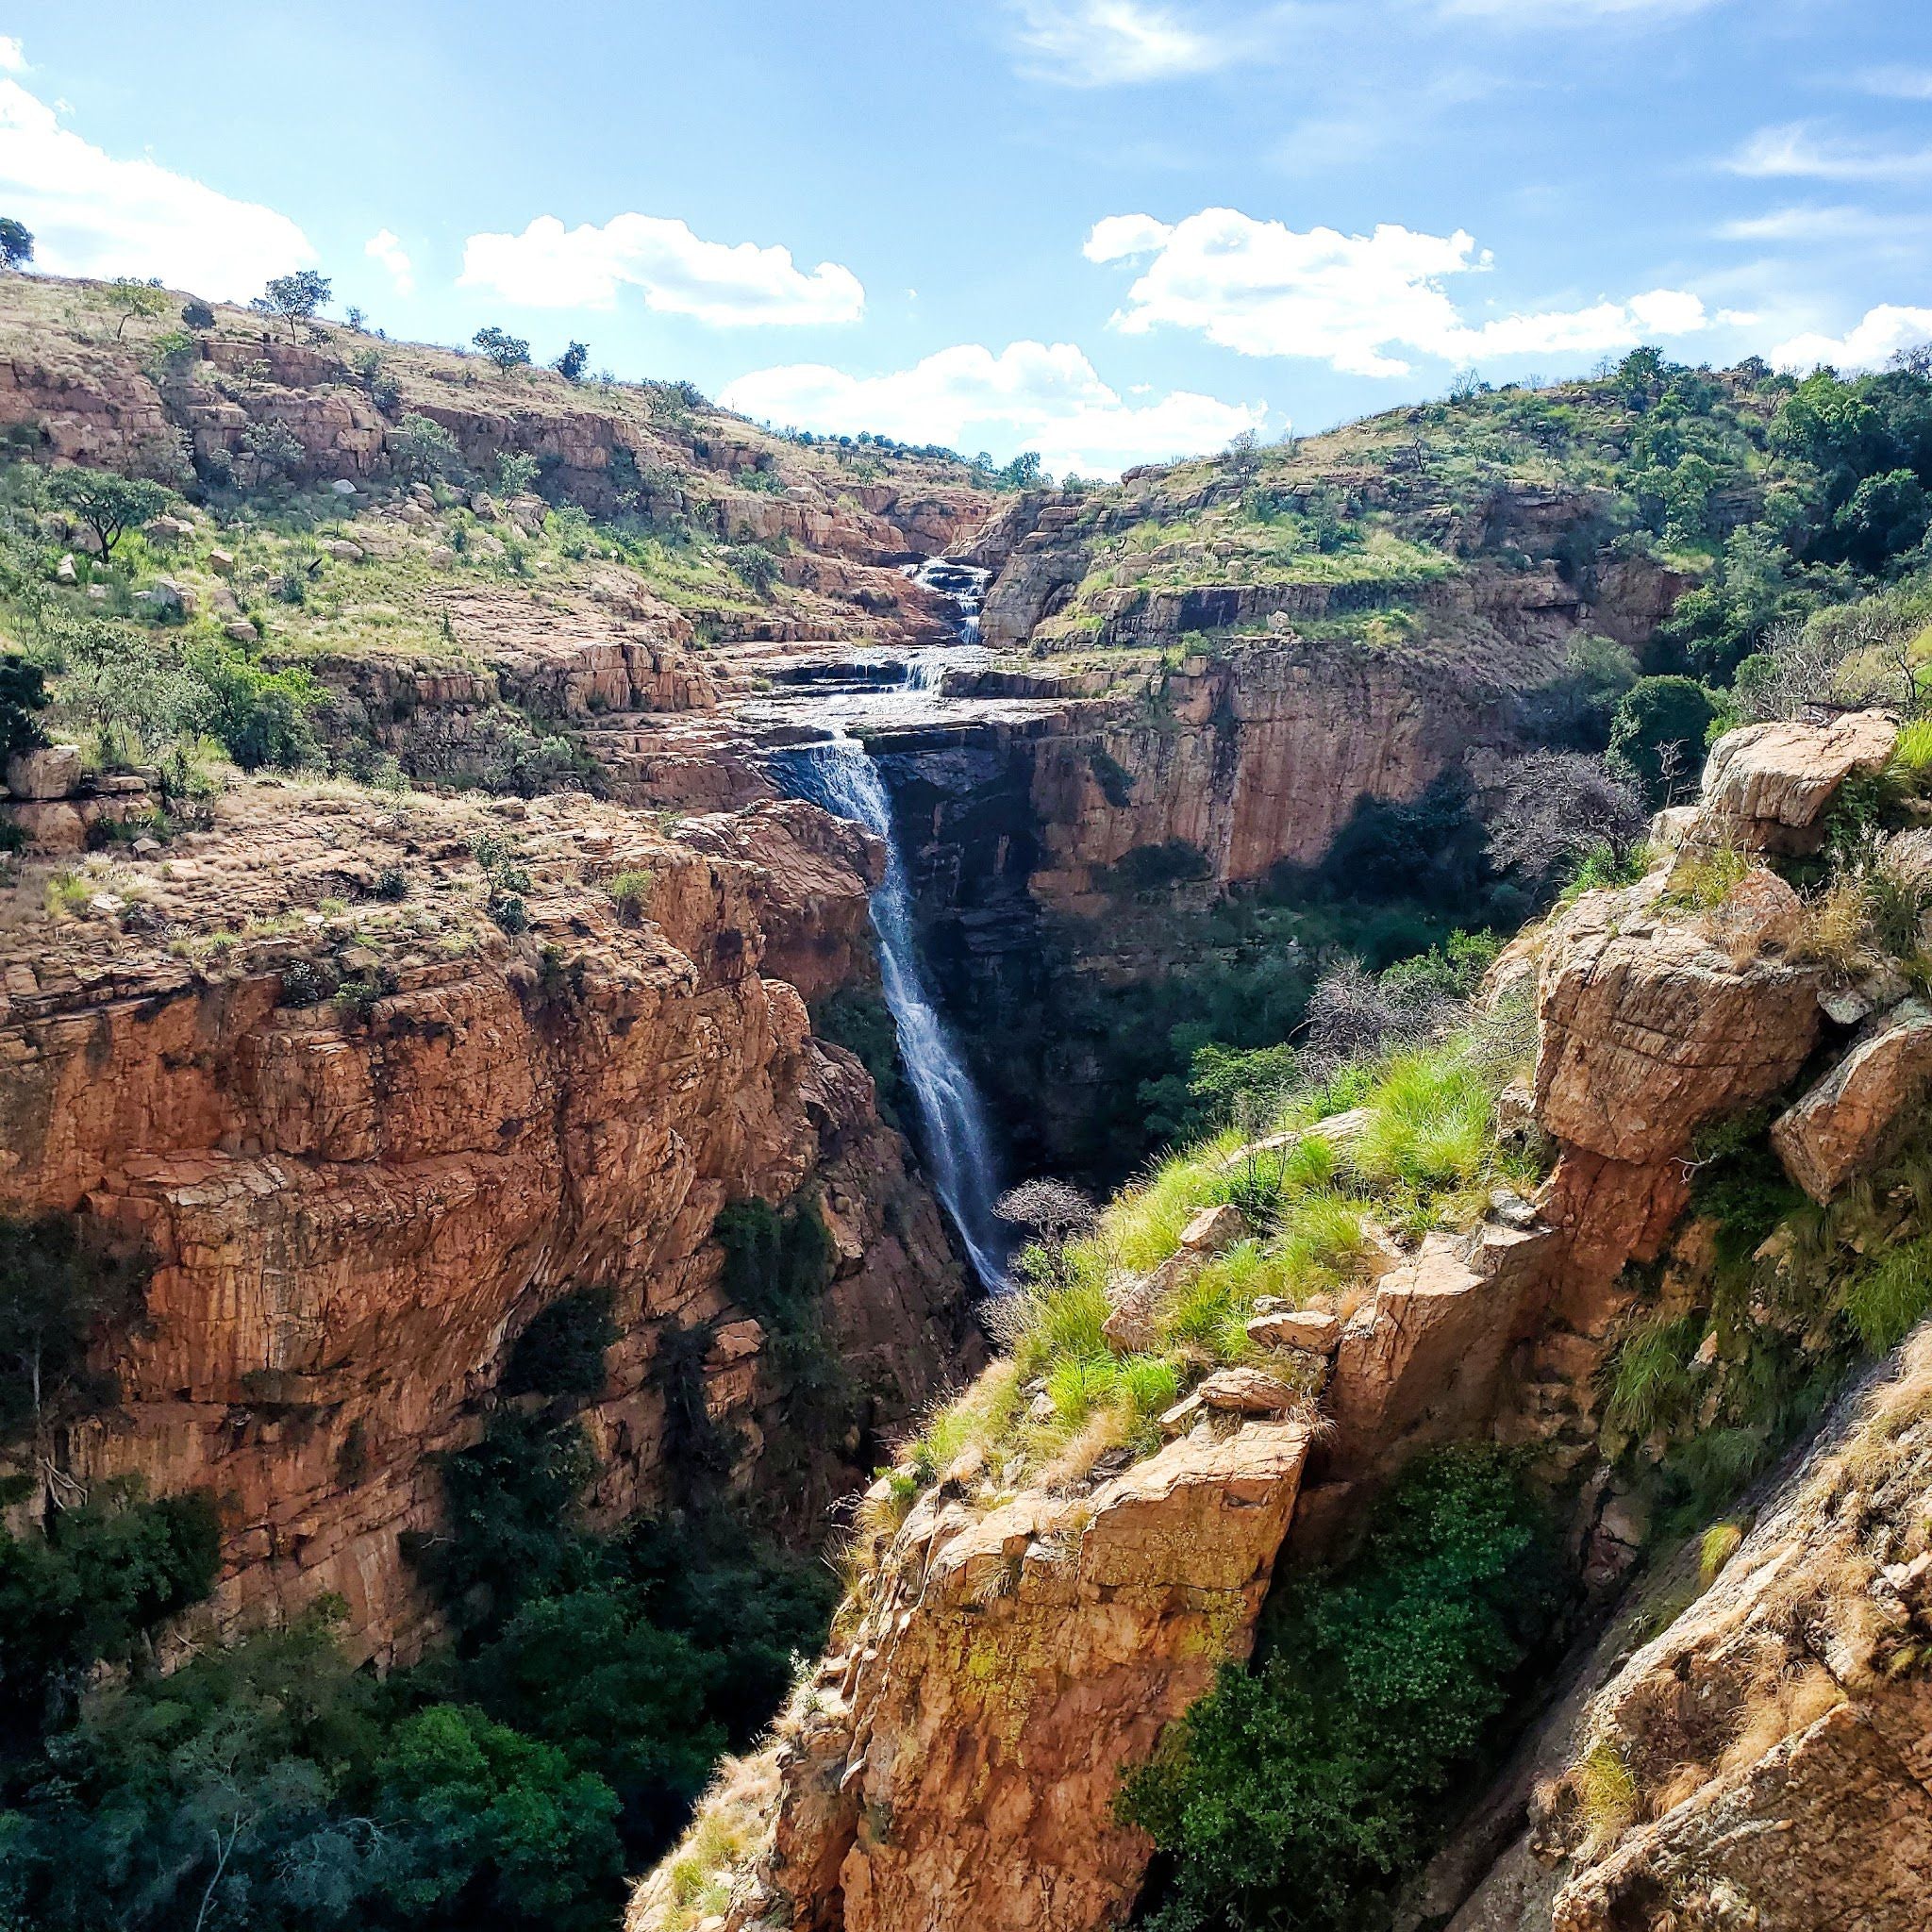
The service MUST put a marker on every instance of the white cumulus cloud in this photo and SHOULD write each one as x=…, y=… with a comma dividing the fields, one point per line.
x=1116, y=42
x=387, y=248
x=1869, y=343
x=12, y=55
x=1032, y=395
x=726, y=285
x=1361, y=303
x=92, y=214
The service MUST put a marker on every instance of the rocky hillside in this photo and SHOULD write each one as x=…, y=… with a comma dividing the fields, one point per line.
x=453, y=1201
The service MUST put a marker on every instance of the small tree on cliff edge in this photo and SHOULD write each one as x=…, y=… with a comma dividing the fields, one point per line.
x=294, y=298
x=571, y=364
x=507, y=351
x=16, y=243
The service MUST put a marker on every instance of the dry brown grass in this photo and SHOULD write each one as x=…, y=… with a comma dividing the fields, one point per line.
x=1796, y=1704
x=731, y=1830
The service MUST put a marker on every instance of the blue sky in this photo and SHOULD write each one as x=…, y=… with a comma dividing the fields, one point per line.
x=1113, y=230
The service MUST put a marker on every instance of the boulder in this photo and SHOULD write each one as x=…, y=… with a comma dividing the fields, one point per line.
x=221, y=562
x=1247, y=1391
x=1908, y=855
x=1853, y=1117
x=733, y=1342
x=64, y=572
x=54, y=771
x=1213, y=1229
x=166, y=598
x=344, y=552
x=1767, y=786
x=1420, y=1362
x=1649, y=1027
x=242, y=631
x=167, y=531
x=342, y=487
x=1313, y=1330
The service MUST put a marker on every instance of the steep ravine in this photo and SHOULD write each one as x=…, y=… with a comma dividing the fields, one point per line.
x=1008, y=1654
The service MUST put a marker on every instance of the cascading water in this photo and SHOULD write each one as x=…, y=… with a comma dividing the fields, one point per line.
x=841, y=777
x=963, y=586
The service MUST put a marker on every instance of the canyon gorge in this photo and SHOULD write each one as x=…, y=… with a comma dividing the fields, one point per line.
x=634, y=890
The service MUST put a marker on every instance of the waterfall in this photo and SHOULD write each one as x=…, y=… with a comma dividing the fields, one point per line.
x=841, y=777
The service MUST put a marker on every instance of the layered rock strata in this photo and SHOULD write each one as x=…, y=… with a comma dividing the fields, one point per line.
x=353, y=1207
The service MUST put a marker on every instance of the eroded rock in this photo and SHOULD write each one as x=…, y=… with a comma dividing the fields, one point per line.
x=1766, y=787
x=1652, y=1024
x=960, y=1765
x=1847, y=1123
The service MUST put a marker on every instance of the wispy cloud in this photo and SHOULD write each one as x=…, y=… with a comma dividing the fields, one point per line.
x=1039, y=396
x=1813, y=221
x=1898, y=83
x=1360, y=303
x=1545, y=14
x=1798, y=150
x=95, y=214
x=384, y=247
x=725, y=284
x=1117, y=42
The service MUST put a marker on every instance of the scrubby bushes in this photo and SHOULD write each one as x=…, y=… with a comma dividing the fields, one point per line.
x=507, y=1783
x=1302, y=1792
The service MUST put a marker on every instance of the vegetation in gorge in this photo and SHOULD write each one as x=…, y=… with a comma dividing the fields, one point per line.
x=508, y=1781
x=1699, y=1399
x=1302, y=1791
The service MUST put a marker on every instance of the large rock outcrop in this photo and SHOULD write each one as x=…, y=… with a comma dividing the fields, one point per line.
x=1766, y=787
x=1763, y=1764
x=957, y=1762
x=353, y=1207
x=1655, y=1021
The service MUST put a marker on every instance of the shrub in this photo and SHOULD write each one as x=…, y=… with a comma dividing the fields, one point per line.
x=197, y=314
x=755, y=565
x=23, y=693
x=777, y=1262
x=1302, y=1792
x=630, y=891
x=1657, y=735
x=515, y=472
x=1887, y=1299
x=61, y=1281
x=422, y=448
x=88, y=1589
x=1153, y=868
x=561, y=1352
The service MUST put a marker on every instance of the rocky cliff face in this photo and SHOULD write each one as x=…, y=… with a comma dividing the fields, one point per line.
x=1763, y=1762
x=354, y=1204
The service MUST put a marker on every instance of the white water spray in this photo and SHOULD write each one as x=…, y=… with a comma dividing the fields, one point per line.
x=841, y=777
